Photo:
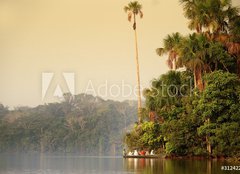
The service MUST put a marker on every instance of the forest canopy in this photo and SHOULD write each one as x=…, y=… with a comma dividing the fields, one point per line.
x=80, y=124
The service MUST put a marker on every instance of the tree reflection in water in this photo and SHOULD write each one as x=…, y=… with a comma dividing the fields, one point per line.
x=167, y=166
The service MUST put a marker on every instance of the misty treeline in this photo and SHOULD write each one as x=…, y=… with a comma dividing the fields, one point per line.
x=80, y=124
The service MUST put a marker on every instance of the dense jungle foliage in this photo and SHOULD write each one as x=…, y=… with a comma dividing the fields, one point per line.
x=194, y=109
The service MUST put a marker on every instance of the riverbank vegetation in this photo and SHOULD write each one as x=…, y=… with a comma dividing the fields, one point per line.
x=194, y=109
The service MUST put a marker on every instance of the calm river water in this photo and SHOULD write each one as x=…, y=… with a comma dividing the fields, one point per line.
x=59, y=164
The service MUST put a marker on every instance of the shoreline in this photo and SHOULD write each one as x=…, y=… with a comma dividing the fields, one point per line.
x=187, y=157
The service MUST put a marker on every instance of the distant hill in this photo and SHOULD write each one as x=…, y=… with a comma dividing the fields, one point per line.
x=81, y=124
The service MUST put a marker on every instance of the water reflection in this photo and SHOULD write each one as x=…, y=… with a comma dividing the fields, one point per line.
x=163, y=166
x=59, y=164
x=70, y=164
x=143, y=165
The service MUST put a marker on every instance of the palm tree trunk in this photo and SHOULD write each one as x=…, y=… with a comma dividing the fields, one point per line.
x=195, y=77
x=138, y=76
x=209, y=149
x=238, y=66
x=198, y=82
x=174, y=65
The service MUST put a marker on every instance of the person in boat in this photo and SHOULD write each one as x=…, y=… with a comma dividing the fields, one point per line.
x=152, y=152
x=130, y=153
x=135, y=153
x=142, y=152
x=124, y=152
x=147, y=153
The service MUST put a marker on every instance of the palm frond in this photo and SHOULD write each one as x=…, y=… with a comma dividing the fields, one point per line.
x=160, y=51
x=141, y=14
x=134, y=7
x=126, y=9
x=129, y=16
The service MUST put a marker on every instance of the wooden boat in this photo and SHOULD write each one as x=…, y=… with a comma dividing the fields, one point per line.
x=142, y=156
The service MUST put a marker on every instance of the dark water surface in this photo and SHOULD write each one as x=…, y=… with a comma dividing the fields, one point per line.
x=62, y=164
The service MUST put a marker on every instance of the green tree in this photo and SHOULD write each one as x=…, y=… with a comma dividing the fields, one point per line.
x=147, y=136
x=219, y=108
x=165, y=94
x=170, y=43
x=211, y=16
x=192, y=55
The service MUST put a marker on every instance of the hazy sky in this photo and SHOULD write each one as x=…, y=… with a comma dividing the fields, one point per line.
x=91, y=39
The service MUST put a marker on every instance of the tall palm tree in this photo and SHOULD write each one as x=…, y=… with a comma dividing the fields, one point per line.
x=170, y=43
x=192, y=54
x=193, y=10
x=211, y=16
x=133, y=9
